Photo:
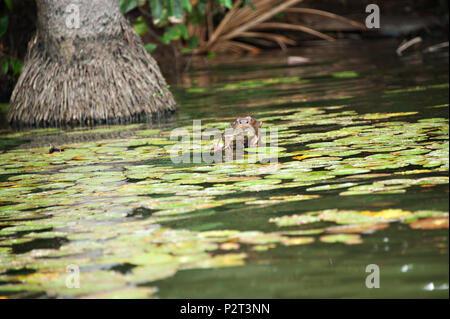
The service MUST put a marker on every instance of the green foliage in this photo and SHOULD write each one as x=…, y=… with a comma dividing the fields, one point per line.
x=248, y=3
x=9, y=4
x=150, y=47
x=16, y=65
x=193, y=42
x=176, y=9
x=128, y=5
x=174, y=16
x=226, y=3
x=5, y=65
x=4, y=21
x=174, y=33
x=10, y=64
x=164, y=11
x=140, y=26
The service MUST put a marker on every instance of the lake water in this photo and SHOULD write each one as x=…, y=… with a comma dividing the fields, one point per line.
x=361, y=179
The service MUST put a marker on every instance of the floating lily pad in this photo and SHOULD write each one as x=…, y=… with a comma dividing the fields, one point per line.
x=294, y=220
x=430, y=223
x=126, y=293
x=358, y=228
x=293, y=241
x=347, y=217
x=116, y=205
x=349, y=239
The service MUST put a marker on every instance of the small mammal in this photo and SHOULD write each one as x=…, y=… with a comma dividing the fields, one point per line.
x=244, y=130
x=54, y=149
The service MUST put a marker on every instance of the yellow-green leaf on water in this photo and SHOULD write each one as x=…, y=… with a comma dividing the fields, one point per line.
x=349, y=239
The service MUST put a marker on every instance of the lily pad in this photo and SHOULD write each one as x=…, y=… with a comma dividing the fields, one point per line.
x=349, y=239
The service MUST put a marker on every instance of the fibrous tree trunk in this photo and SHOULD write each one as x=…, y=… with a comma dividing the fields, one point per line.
x=87, y=71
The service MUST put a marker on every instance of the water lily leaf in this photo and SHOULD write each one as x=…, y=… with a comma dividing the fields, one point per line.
x=430, y=223
x=349, y=170
x=88, y=168
x=230, y=246
x=345, y=74
x=349, y=239
x=126, y=293
x=358, y=228
x=219, y=233
x=263, y=247
x=256, y=237
x=377, y=116
x=148, y=132
x=426, y=213
x=348, y=217
x=146, y=274
x=330, y=187
x=303, y=232
x=93, y=282
x=388, y=214
x=294, y=220
x=225, y=260
x=116, y=205
x=291, y=241
x=150, y=258
x=282, y=199
x=313, y=176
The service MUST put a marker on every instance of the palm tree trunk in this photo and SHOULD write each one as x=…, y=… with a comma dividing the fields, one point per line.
x=94, y=71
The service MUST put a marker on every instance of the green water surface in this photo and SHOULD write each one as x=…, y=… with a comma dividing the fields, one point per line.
x=361, y=179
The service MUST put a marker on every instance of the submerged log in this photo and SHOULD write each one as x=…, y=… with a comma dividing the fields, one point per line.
x=94, y=71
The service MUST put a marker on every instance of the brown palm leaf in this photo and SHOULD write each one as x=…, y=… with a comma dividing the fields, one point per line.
x=242, y=21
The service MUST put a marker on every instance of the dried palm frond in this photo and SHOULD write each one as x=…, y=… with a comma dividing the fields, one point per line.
x=243, y=21
x=281, y=40
x=297, y=27
x=236, y=47
x=328, y=15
